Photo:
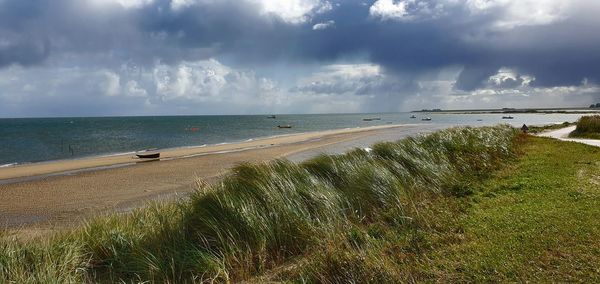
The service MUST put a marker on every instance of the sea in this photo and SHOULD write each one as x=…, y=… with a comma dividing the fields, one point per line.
x=30, y=140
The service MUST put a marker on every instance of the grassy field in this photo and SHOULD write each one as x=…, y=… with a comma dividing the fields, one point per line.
x=587, y=127
x=464, y=204
x=537, y=220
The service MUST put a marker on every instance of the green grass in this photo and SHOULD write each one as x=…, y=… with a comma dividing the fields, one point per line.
x=537, y=221
x=460, y=205
x=538, y=129
x=587, y=127
x=274, y=220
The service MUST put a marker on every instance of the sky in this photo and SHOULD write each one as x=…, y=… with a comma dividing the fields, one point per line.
x=195, y=57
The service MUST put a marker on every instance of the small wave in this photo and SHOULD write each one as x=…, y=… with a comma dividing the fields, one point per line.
x=8, y=165
x=118, y=154
x=195, y=146
x=249, y=140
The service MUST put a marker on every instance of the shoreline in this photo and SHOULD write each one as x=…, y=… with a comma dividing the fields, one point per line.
x=62, y=199
x=29, y=171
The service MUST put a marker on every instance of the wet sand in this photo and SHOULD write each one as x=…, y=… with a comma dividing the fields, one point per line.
x=53, y=195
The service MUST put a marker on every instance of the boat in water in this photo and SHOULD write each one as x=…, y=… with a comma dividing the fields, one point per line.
x=372, y=118
x=413, y=116
x=148, y=154
x=284, y=126
x=507, y=117
x=426, y=119
x=271, y=116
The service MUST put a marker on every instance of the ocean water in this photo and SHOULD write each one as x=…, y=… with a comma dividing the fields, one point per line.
x=26, y=140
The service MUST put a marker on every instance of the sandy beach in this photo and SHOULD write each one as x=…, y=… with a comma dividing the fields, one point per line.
x=56, y=194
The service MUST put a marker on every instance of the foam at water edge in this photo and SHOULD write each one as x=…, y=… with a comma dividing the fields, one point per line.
x=8, y=165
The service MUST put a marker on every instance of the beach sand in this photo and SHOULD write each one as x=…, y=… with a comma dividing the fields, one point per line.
x=53, y=195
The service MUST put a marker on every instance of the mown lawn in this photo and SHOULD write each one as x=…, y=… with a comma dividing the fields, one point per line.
x=538, y=220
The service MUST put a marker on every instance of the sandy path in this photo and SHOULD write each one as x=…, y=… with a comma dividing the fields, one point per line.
x=563, y=134
x=61, y=200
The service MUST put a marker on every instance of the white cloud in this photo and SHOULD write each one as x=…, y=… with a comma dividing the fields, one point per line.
x=190, y=80
x=388, y=9
x=407, y=10
x=293, y=11
x=125, y=3
x=341, y=78
x=505, y=14
x=509, y=78
x=290, y=11
x=133, y=89
x=112, y=83
x=523, y=12
x=506, y=88
x=323, y=25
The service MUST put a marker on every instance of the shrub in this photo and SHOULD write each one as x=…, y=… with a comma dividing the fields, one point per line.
x=588, y=127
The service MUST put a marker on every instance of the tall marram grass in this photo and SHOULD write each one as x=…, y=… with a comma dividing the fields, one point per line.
x=263, y=215
x=587, y=127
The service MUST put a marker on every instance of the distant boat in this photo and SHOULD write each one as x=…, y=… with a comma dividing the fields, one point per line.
x=426, y=118
x=148, y=154
x=413, y=116
x=371, y=118
x=480, y=120
x=271, y=116
x=507, y=117
x=284, y=126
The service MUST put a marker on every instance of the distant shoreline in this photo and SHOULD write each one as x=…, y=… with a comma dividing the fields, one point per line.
x=513, y=111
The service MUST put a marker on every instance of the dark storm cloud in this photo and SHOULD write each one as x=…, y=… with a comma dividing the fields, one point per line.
x=559, y=53
x=24, y=52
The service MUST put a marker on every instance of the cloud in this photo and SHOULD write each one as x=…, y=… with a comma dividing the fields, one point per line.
x=132, y=89
x=387, y=9
x=505, y=88
x=523, y=13
x=342, y=78
x=502, y=14
x=509, y=78
x=293, y=11
x=123, y=3
x=290, y=11
x=160, y=53
x=323, y=25
x=112, y=85
x=20, y=49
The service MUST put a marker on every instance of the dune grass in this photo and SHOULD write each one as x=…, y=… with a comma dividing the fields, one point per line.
x=539, y=129
x=587, y=127
x=358, y=217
